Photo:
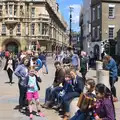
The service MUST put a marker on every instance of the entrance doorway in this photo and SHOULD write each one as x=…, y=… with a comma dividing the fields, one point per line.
x=12, y=47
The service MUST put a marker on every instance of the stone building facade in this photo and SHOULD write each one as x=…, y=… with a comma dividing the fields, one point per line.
x=105, y=22
x=85, y=25
x=31, y=24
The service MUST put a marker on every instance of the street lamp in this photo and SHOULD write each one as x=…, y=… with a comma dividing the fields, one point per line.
x=70, y=36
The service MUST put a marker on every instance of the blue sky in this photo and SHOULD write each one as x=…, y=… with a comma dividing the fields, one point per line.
x=64, y=9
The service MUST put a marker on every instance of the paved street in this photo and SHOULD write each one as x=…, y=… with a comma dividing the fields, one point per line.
x=9, y=97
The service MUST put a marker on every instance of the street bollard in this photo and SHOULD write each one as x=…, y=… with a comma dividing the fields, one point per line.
x=103, y=77
x=99, y=65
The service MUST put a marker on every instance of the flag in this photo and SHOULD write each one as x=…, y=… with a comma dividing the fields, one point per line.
x=38, y=44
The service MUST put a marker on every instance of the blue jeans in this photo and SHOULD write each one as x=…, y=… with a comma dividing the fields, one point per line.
x=22, y=96
x=68, y=98
x=78, y=116
x=44, y=63
x=48, y=94
x=51, y=93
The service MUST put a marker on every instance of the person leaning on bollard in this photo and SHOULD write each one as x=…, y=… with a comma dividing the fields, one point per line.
x=110, y=65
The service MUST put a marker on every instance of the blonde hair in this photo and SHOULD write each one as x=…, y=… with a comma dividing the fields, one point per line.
x=31, y=68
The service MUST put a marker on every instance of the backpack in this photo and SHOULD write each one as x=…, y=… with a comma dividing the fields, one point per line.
x=67, y=60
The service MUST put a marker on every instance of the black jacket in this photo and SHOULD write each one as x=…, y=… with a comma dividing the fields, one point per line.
x=78, y=85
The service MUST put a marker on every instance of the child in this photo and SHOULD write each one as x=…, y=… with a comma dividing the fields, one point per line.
x=90, y=87
x=66, y=88
x=32, y=91
x=104, y=109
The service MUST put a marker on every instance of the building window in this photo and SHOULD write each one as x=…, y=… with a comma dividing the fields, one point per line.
x=93, y=14
x=18, y=28
x=15, y=10
x=111, y=11
x=3, y=29
x=44, y=29
x=10, y=9
x=111, y=32
x=0, y=10
x=89, y=26
x=33, y=12
x=98, y=32
x=93, y=32
x=6, y=8
x=33, y=29
x=21, y=10
x=98, y=12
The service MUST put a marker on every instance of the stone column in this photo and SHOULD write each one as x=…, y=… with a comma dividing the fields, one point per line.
x=99, y=65
x=8, y=10
x=13, y=10
x=3, y=10
x=18, y=10
x=73, y=107
x=103, y=77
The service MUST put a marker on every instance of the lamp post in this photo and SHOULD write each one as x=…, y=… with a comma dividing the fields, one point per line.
x=70, y=36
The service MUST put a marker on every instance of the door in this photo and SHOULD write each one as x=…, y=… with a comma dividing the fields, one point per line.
x=12, y=47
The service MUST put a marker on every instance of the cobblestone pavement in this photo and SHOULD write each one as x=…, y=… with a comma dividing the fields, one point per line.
x=9, y=96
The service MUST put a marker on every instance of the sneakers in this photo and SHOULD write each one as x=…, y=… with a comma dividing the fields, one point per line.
x=31, y=116
x=40, y=114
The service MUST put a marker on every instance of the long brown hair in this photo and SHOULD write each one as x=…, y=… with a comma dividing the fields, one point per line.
x=107, y=58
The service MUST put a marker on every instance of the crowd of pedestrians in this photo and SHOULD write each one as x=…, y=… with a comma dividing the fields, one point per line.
x=67, y=84
x=27, y=66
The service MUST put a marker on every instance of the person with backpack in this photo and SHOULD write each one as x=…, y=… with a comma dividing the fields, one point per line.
x=38, y=64
x=32, y=85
